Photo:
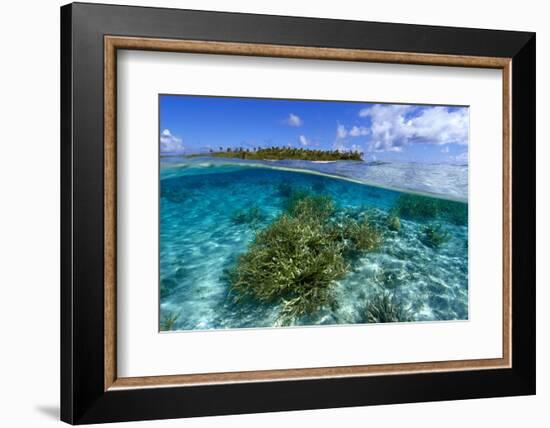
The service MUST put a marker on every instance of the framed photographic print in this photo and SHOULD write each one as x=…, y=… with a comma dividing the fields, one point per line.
x=266, y=213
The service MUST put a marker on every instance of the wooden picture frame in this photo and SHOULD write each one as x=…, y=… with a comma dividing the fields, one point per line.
x=91, y=390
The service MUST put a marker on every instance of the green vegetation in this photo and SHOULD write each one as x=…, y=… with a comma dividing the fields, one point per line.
x=419, y=207
x=278, y=153
x=309, y=207
x=167, y=285
x=297, y=258
x=360, y=235
x=393, y=222
x=293, y=260
x=433, y=236
x=168, y=321
x=383, y=308
x=252, y=216
x=455, y=212
x=416, y=207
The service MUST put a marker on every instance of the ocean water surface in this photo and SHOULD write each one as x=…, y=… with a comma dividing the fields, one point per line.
x=201, y=239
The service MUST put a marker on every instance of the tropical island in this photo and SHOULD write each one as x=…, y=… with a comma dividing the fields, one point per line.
x=280, y=153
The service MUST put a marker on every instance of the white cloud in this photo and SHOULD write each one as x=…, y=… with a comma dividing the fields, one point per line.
x=394, y=126
x=294, y=120
x=445, y=149
x=358, y=131
x=304, y=141
x=170, y=143
x=341, y=131
x=342, y=143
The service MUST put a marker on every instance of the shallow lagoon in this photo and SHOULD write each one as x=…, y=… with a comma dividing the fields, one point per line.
x=201, y=238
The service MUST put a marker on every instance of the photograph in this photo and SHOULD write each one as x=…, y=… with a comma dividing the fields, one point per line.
x=279, y=210
x=291, y=212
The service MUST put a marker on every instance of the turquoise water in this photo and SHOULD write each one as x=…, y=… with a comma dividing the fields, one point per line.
x=200, y=239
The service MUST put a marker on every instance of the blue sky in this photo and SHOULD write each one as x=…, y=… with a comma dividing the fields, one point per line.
x=194, y=124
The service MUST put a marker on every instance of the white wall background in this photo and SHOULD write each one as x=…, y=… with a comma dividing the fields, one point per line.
x=29, y=216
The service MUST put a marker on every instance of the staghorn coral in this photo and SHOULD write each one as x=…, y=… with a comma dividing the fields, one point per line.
x=313, y=207
x=416, y=207
x=252, y=216
x=297, y=258
x=419, y=207
x=293, y=260
x=168, y=321
x=393, y=222
x=361, y=235
x=384, y=308
x=433, y=236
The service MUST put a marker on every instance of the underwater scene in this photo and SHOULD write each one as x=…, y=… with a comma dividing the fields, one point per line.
x=313, y=234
